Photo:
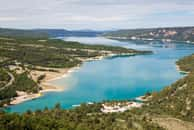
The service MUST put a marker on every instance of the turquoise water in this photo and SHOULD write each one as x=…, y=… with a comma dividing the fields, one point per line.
x=115, y=78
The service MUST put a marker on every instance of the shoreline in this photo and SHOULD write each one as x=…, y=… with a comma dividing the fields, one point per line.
x=45, y=85
x=147, y=39
x=181, y=71
x=51, y=76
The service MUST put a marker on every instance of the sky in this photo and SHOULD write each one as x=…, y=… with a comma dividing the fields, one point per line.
x=96, y=14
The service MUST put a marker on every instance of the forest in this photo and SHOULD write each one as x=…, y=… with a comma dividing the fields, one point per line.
x=85, y=117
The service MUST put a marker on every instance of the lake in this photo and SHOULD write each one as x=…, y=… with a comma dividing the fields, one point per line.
x=115, y=78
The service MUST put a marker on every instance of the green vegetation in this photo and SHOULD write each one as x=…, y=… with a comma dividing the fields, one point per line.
x=6, y=95
x=86, y=117
x=176, y=33
x=4, y=78
x=187, y=63
x=24, y=83
x=21, y=83
x=54, y=53
x=40, y=78
x=44, y=33
x=4, y=32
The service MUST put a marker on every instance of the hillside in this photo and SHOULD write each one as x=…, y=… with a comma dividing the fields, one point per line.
x=176, y=100
x=85, y=117
x=69, y=33
x=45, y=33
x=4, y=32
x=166, y=34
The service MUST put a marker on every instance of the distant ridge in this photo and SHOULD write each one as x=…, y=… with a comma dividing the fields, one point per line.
x=45, y=33
x=5, y=32
x=164, y=33
x=63, y=32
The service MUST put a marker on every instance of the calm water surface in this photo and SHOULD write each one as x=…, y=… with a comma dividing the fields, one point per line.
x=115, y=78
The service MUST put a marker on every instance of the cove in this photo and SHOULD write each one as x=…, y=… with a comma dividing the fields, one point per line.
x=117, y=78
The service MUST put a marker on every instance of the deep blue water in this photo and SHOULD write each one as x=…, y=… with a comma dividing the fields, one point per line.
x=115, y=78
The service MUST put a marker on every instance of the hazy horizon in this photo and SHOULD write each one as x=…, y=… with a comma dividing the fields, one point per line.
x=58, y=28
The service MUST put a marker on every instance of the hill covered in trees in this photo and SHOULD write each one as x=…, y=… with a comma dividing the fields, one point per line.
x=168, y=34
x=5, y=32
x=176, y=100
x=45, y=33
x=85, y=117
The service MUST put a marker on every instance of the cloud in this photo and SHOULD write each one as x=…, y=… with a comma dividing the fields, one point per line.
x=95, y=14
x=93, y=19
x=8, y=19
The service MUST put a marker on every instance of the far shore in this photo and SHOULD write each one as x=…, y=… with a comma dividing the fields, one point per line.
x=145, y=39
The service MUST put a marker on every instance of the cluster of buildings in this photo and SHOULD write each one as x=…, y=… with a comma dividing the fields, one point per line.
x=119, y=106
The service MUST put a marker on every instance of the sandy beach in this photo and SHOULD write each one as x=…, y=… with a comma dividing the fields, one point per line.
x=45, y=84
x=51, y=76
x=23, y=96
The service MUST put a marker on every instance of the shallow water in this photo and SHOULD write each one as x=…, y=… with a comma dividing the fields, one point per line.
x=115, y=78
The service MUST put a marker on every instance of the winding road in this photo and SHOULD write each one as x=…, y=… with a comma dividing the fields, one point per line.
x=10, y=81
